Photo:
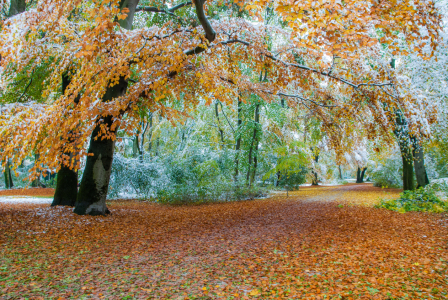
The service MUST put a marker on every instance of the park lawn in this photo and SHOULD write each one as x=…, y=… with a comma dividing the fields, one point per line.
x=319, y=243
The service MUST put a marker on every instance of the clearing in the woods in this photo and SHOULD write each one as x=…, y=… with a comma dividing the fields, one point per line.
x=319, y=243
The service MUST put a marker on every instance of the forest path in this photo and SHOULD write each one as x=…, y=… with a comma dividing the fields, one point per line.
x=361, y=194
x=306, y=246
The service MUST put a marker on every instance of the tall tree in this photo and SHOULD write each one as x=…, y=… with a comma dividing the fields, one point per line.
x=66, y=190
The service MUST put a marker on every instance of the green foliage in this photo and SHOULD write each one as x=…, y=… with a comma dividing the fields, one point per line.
x=388, y=175
x=418, y=200
x=439, y=187
x=291, y=165
x=26, y=85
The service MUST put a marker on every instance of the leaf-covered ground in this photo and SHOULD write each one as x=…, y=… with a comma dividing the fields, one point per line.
x=315, y=244
x=40, y=192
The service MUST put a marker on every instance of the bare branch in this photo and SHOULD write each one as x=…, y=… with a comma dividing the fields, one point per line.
x=26, y=88
x=174, y=8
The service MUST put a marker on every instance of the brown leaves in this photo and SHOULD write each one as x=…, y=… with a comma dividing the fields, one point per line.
x=302, y=247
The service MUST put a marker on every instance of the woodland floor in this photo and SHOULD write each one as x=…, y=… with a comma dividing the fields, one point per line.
x=319, y=243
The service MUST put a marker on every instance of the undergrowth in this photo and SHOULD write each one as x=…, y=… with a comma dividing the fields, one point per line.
x=418, y=200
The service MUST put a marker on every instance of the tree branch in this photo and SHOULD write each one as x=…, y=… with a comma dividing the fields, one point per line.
x=26, y=88
x=210, y=33
x=158, y=10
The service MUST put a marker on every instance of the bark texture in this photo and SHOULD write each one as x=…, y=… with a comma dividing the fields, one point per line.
x=408, y=169
x=419, y=164
x=66, y=187
x=92, y=193
x=16, y=7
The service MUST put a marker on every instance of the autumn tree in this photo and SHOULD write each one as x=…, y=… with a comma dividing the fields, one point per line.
x=321, y=58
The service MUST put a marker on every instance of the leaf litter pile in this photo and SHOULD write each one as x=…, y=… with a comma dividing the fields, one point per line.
x=315, y=244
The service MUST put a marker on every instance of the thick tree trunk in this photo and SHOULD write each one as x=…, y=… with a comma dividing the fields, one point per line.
x=402, y=134
x=340, y=172
x=363, y=173
x=67, y=179
x=66, y=187
x=16, y=7
x=419, y=164
x=8, y=177
x=408, y=169
x=95, y=180
x=360, y=174
x=238, y=141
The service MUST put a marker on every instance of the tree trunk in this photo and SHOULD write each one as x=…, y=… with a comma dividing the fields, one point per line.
x=150, y=134
x=363, y=173
x=67, y=179
x=36, y=182
x=315, y=179
x=360, y=174
x=135, y=146
x=404, y=142
x=257, y=121
x=408, y=169
x=221, y=132
x=340, y=172
x=8, y=177
x=16, y=7
x=66, y=187
x=419, y=164
x=95, y=180
x=238, y=141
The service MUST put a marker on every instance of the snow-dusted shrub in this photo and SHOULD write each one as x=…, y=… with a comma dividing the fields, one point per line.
x=388, y=174
x=439, y=187
x=194, y=177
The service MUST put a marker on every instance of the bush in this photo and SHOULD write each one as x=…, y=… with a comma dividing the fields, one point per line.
x=388, y=174
x=192, y=179
x=418, y=200
x=439, y=187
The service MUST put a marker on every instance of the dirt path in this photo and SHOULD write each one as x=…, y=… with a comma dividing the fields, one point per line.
x=275, y=248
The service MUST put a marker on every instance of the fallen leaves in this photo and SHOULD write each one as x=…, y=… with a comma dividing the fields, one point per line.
x=301, y=247
x=28, y=192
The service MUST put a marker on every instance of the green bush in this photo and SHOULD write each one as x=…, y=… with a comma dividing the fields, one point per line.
x=439, y=187
x=418, y=200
